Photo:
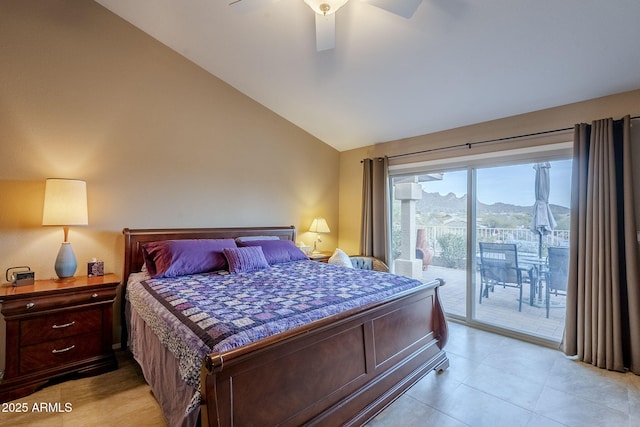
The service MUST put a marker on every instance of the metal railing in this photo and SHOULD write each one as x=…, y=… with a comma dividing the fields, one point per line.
x=526, y=239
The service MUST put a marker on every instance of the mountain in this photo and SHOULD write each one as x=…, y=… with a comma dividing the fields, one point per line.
x=451, y=204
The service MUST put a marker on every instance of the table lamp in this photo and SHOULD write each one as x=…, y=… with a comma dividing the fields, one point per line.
x=65, y=204
x=319, y=225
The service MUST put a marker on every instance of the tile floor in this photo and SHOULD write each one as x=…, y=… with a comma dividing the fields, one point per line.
x=498, y=381
x=118, y=398
x=492, y=381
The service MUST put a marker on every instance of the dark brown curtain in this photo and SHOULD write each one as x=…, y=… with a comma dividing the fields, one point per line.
x=375, y=182
x=603, y=302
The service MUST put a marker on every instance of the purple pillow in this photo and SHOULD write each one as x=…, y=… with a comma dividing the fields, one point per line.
x=250, y=258
x=277, y=251
x=173, y=258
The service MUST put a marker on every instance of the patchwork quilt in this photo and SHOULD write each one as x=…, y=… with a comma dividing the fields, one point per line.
x=215, y=312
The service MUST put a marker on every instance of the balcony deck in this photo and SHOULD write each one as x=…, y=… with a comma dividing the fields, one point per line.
x=501, y=308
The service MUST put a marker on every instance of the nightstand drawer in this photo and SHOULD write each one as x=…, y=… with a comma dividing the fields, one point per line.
x=60, y=325
x=59, y=352
x=35, y=304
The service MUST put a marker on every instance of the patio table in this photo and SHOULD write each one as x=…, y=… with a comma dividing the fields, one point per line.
x=540, y=266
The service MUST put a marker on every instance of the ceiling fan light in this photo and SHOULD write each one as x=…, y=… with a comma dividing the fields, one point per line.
x=325, y=7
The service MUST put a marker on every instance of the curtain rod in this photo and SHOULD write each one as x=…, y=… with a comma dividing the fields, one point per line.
x=470, y=144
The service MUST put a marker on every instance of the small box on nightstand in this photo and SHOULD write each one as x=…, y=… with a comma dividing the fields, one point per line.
x=95, y=268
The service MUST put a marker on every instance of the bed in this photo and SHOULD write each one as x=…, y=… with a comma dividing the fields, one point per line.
x=341, y=368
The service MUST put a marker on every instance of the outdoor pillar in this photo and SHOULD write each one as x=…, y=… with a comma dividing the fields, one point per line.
x=407, y=264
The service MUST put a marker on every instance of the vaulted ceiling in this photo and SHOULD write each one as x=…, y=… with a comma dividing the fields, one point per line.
x=452, y=63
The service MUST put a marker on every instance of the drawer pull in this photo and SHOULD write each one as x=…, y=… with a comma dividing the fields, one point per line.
x=30, y=305
x=66, y=325
x=71, y=347
x=94, y=295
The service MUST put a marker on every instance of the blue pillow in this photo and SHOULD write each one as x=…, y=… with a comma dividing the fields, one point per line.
x=277, y=251
x=250, y=258
x=173, y=258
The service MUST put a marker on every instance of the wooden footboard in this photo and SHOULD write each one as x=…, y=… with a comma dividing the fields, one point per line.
x=338, y=371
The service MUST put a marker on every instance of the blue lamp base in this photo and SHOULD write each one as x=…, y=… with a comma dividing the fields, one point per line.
x=66, y=263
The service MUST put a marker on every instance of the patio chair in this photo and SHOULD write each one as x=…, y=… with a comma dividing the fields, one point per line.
x=499, y=267
x=557, y=275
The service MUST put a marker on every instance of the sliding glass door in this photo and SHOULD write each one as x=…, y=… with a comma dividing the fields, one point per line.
x=486, y=230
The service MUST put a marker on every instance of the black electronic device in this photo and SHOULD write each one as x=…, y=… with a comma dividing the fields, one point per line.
x=23, y=277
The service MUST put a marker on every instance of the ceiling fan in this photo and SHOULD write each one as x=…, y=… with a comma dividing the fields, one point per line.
x=325, y=15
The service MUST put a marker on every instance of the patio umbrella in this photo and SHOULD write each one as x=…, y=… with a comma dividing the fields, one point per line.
x=543, y=222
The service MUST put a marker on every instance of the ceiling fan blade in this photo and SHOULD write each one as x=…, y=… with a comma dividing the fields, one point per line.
x=404, y=8
x=248, y=5
x=325, y=32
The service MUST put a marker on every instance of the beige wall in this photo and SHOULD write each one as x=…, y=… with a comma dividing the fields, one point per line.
x=160, y=142
x=615, y=106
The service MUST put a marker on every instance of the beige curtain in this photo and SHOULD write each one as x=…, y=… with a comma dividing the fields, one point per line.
x=603, y=302
x=375, y=218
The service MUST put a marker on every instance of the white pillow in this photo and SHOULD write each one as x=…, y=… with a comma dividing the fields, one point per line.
x=340, y=258
x=252, y=238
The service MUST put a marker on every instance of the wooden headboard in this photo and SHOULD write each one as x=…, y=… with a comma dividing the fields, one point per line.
x=134, y=239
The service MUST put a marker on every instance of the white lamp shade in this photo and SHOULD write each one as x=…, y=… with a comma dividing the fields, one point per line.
x=325, y=7
x=319, y=225
x=65, y=202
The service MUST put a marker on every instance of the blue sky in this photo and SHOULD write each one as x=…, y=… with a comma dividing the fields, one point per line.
x=509, y=184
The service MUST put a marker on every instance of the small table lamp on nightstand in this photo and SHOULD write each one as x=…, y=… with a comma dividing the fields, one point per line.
x=319, y=225
x=65, y=203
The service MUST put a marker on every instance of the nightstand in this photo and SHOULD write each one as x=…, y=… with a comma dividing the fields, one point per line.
x=54, y=328
x=322, y=256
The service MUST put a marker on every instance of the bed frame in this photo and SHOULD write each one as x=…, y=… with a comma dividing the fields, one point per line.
x=341, y=370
